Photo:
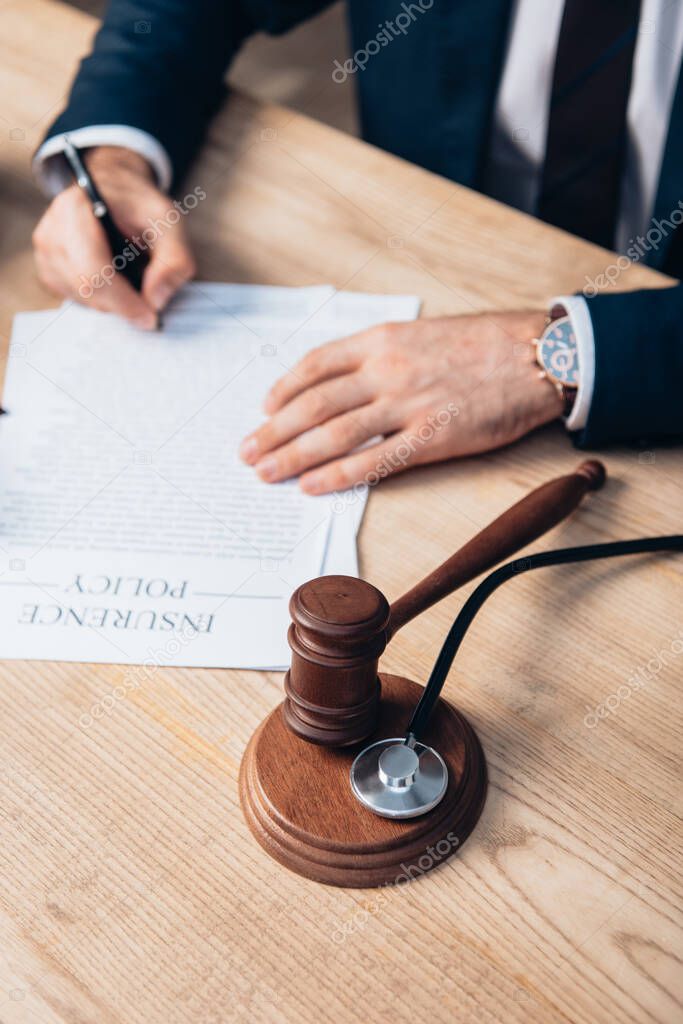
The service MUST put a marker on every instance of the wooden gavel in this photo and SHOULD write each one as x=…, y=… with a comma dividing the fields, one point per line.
x=341, y=625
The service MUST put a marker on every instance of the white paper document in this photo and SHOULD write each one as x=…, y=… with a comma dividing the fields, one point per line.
x=130, y=531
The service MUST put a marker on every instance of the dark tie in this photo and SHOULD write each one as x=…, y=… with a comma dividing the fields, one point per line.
x=581, y=180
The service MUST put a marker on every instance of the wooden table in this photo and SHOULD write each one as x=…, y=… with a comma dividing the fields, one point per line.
x=130, y=888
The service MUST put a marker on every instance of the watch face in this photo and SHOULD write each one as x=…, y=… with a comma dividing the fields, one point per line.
x=557, y=353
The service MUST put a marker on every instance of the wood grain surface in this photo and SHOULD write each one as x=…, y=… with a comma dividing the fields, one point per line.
x=130, y=887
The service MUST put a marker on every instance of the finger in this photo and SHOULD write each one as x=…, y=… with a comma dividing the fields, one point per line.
x=90, y=277
x=117, y=295
x=336, y=437
x=330, y=360
x=49, y=276
x=314, y=406
x=106, y=290
x=171, y=265
x=368, y=467
x=96, y=292
x=51, y=257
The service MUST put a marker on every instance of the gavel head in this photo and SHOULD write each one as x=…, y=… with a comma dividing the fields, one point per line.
x=338, y=632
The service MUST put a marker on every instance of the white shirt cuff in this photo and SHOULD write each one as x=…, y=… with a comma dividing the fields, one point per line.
x=577, y=311
x=52, y=171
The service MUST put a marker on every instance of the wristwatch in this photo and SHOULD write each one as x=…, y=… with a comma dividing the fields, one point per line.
x=557, y=356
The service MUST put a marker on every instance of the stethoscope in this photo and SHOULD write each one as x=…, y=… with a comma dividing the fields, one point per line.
x=402, y=777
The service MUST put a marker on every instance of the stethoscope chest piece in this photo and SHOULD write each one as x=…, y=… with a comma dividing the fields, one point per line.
x=399, y=779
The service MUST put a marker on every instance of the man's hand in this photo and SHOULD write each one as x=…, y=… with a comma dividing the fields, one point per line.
x=71, y=250
x=435, y=389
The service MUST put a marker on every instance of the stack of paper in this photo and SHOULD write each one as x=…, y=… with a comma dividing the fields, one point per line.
x=130, y=531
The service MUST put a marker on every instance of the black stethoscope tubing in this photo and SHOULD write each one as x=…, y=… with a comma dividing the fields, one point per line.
x=562, y=556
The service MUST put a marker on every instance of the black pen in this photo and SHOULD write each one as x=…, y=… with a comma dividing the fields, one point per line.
x=127, y=259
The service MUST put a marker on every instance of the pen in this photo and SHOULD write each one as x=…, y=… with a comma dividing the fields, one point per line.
x=134, y=261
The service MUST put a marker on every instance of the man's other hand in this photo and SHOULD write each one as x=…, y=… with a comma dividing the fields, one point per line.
x=433, y=389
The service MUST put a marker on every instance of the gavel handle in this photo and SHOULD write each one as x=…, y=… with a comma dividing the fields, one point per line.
x=531, y=517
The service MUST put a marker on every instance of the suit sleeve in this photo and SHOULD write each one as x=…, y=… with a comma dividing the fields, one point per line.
x=159, y=66
x=638, y=383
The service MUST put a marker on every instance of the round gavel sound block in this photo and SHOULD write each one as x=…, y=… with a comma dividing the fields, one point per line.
x=298, y=802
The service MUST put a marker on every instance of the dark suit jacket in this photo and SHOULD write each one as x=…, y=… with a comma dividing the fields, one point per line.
x=428, y=96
